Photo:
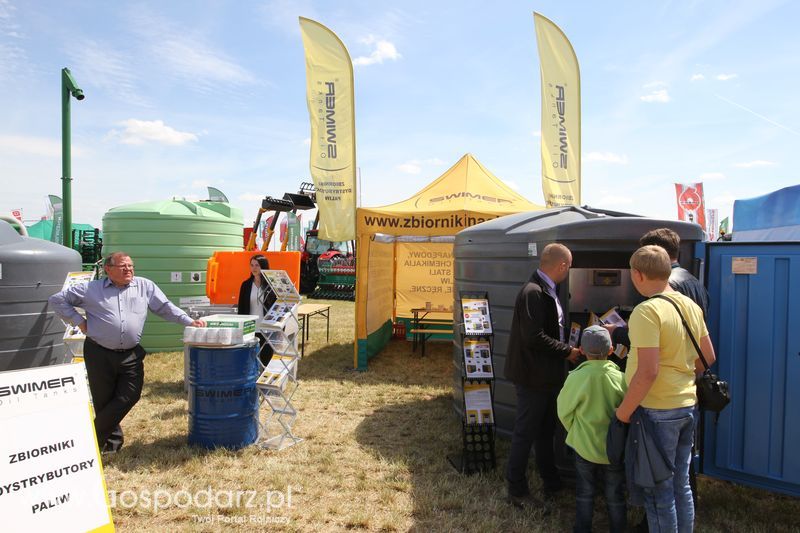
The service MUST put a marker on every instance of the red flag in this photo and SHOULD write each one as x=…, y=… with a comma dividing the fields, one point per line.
x=17, y=213
x=284, y=225
x=265, y=228
x=691, y=205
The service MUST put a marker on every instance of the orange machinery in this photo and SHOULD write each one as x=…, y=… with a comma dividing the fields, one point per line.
x=227, y=270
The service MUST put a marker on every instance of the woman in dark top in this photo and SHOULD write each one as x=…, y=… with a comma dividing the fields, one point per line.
x=255, y=298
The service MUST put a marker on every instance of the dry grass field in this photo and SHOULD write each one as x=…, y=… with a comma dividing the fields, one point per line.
x=373, y=458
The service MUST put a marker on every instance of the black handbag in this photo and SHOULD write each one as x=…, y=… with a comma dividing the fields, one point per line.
x=712, y=393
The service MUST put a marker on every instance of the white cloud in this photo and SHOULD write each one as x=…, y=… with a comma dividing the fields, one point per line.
x=103, y=67
x=139, y=132
x=537, y=133
x=13, y=61
x=726, y=77
x=382, y=50
x=200, y=184
x=186, y=56
x=513, y=184
x=696, y=77
x=414, y=166
x=711, y=176
x=200, y=65
x=606, y=157
x=409, y=168
x=307, y=141
x=251, y=197
x=659, y=95
x=756, y=163
x=654, y=84
x=38, y=146
x=6, y=10
x=282, y=14
x=8, y=27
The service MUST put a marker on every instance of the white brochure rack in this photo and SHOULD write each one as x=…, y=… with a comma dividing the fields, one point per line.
x=277, y=383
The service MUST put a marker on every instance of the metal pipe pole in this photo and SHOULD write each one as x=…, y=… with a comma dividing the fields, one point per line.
x=66, y=163
x=68, y=87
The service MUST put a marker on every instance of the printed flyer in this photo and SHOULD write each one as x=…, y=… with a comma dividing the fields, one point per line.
x=477, y=320
x=478, y=359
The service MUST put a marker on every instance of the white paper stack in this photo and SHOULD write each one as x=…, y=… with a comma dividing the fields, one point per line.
x=214, y=336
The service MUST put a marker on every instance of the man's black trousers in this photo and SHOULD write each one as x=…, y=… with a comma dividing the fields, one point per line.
x=116, y=380
x=535, y=426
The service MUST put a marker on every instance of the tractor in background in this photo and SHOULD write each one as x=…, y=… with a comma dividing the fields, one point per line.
x=327, y=269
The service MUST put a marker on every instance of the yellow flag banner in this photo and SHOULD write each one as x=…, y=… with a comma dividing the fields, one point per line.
x=561, y=115
x=331, y=109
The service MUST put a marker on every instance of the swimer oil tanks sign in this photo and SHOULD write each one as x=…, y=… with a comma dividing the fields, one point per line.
x=561, y=115
x=331, y=109
x=51, y=478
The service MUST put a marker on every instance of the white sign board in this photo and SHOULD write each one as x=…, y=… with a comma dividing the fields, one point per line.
x=51, y=477
x=193, y=300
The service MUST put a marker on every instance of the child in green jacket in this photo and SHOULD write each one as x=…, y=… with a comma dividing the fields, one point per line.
x=586, y=406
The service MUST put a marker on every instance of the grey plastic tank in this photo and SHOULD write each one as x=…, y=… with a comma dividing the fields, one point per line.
x=31, y=270
x=500, y=255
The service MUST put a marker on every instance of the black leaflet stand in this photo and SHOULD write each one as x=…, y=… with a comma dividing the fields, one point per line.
x=477, y=380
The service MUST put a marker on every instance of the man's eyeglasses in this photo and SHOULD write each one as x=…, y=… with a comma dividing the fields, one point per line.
x=123, y=267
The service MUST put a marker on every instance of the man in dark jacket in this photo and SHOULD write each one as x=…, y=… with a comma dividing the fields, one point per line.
x=680, y=279
x=535, y=363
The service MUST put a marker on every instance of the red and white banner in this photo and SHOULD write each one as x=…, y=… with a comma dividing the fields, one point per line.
x=17, y=213
x=691, y=206
x=265, y=228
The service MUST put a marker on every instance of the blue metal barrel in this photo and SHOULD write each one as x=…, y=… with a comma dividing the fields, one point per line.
x=223, y=398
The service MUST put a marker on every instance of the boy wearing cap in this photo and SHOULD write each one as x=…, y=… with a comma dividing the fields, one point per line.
x=586, y=406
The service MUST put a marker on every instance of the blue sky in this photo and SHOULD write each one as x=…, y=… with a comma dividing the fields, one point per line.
x=180, y=95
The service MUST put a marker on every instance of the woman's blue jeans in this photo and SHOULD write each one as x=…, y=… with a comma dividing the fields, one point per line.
x=669, y=504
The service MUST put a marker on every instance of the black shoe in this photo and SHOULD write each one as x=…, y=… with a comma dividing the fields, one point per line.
x=550, y=491
x=110, y=448
x=641, y=527
x=528, y=502
x=552, y=483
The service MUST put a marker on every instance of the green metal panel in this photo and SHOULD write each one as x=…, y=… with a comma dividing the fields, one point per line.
x=166, y=237
x=44, y=228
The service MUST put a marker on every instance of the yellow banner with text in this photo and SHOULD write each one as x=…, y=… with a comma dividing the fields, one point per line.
x=424, y=277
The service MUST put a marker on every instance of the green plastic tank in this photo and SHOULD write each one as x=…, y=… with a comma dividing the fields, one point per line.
x=170, y=242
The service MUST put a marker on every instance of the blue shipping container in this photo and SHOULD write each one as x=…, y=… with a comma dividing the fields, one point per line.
x=754, y=322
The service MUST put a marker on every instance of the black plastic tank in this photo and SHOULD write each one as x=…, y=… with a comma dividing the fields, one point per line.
x=31, y=270
x=500, y=255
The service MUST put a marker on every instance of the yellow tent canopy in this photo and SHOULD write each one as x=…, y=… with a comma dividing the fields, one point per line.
x=403, y=255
